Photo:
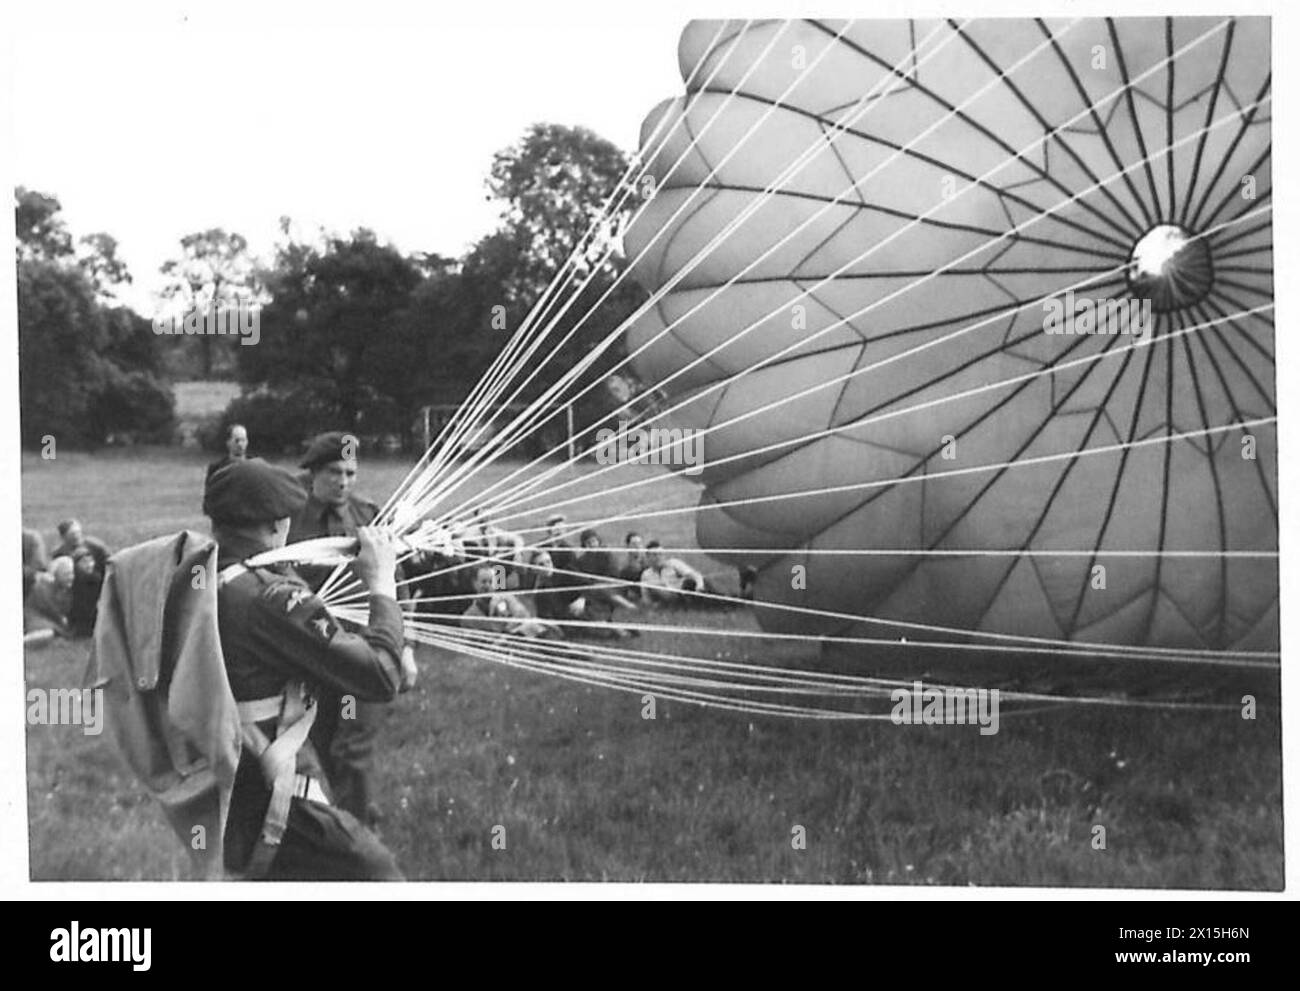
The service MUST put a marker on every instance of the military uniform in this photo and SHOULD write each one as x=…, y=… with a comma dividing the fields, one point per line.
x=281, y=645
x=275, y=631
x=323, y=519
x=216, y=466
x=346, y=746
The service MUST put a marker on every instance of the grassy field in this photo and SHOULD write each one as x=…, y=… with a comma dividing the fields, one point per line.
x=586, y=789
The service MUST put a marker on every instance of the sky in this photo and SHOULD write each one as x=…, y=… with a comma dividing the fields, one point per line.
x=174, y=118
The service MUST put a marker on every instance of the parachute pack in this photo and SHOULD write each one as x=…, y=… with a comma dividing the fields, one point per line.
x=173, y=717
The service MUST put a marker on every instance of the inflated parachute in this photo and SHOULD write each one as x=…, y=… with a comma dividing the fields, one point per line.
x=869, y=342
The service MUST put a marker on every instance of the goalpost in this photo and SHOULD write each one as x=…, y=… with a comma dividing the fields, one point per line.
x=559, y=417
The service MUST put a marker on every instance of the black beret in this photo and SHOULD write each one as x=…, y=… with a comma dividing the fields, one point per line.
x=251, y=491
x=330, y=447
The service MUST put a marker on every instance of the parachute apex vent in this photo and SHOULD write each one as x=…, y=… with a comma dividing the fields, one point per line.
x=1171, y=267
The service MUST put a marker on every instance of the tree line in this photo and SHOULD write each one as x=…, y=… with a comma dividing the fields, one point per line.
x=353, y=333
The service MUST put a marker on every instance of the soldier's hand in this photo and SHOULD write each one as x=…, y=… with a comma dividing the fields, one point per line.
x=409, y=671
x=376, y=561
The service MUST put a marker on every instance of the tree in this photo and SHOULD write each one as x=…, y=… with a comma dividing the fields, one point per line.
x=97, y=256
x=41, y=232
x=335, y=318
x=87, y=372
x=60, y=335
x=555, y=185
x=215, y=269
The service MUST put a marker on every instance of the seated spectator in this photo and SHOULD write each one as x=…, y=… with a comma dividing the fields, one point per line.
x=670, y=580
x=86, y=583
x=50, y=599
x=602, y=593
x=550, y=595
x=71, y=538
x=35, y=559
x=633, y=563
x=438, y=579
x=561, y=552
x=236, y=448
x=499, y=612
x=501, y=545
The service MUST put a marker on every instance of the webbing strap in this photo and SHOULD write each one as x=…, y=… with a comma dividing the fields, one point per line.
x=279, y=762
x=260, y=710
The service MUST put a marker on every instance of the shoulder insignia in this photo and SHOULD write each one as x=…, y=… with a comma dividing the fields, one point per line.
x=296, y=598
x=282, y=591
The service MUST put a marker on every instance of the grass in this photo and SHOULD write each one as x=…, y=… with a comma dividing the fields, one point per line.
x=586, y=789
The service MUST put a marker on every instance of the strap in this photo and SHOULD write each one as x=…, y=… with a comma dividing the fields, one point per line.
x=309, y=788
x=279, y=760
x=260, y=710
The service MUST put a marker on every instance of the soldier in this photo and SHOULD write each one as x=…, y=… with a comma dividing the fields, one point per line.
x=333, y=509
x=236, y=448
x=275, y=636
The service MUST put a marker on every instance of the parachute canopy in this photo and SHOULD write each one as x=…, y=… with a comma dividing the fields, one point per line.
x=995, y=296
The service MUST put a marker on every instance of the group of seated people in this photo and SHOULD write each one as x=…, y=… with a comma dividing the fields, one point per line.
x=61, y=590
x=554, y=589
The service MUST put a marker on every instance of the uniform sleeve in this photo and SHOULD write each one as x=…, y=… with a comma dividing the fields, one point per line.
x=294, y=631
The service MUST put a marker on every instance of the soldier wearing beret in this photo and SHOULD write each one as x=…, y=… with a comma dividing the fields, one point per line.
x=276, y=633
x=333, y=509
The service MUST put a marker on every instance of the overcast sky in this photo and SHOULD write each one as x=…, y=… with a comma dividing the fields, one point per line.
x=167, y=120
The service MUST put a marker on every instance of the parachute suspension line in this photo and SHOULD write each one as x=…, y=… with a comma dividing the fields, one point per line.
x=520, y=426
x=1032, y=644
x=803, y=343
x=506, y=362
x=642, y=671
x=1100, y=125
x=819, y=146
x=433, y=462
x=508, y=370
x=882, y=483
x=536, y=412
x=1237, y=412
x=1179, y=330
x=477, y=402
x=885, y=416
x=1010, y=643
x=1247, y=118
x=705, y=699
x=511, y=512
x=792, y=680
x=506, y=503
x=1210, y=107
x=1051, y=369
